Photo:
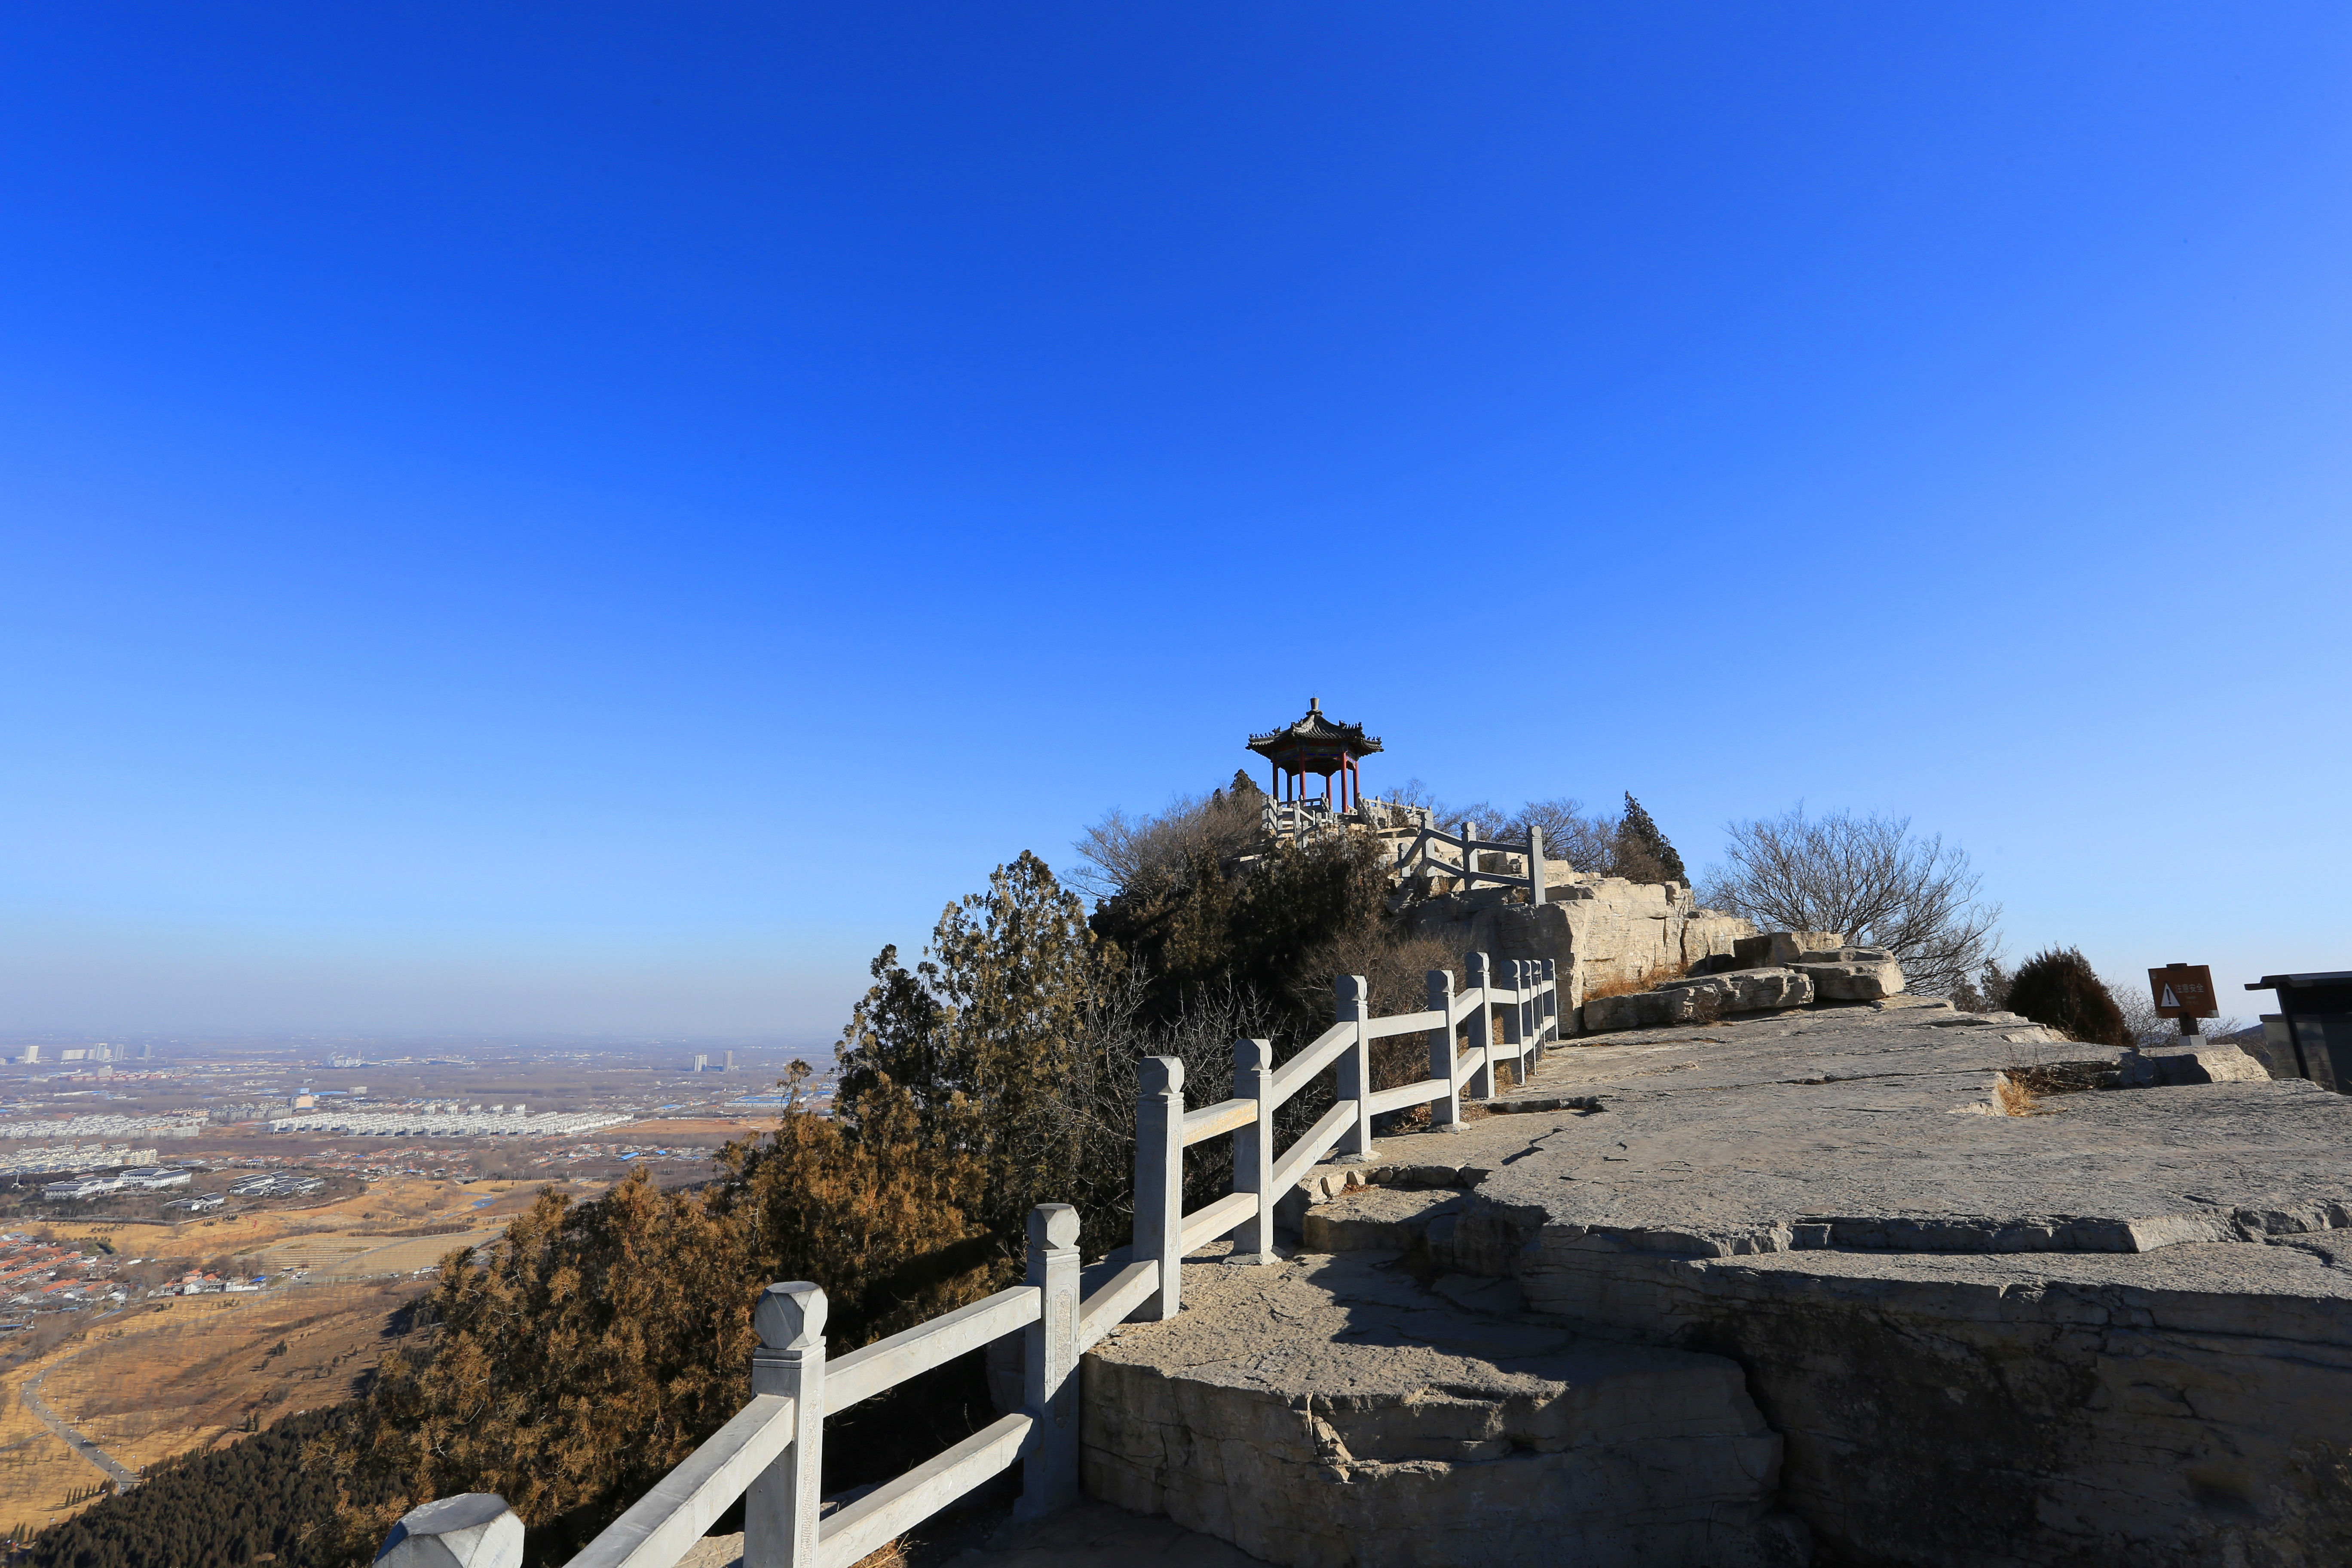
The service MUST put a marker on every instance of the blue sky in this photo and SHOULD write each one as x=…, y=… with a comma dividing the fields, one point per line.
x=597, y=518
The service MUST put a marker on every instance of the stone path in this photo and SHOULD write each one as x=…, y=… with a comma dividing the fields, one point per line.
x=2116, y=1327
x=1727, y=1296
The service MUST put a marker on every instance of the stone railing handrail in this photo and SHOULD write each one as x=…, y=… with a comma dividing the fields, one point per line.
x=1311, y=815
x=771, y=1454
x=1419, y=853
x=1526, y=1007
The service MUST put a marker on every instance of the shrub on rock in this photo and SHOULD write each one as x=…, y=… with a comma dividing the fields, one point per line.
x=2059, y=989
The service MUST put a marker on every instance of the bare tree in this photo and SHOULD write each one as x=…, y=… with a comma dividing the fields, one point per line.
x=1867, y=877
x=1120, y=849
x=1586, y=840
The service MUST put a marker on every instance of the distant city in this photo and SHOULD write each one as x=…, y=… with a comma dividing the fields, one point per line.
x=168, y=1133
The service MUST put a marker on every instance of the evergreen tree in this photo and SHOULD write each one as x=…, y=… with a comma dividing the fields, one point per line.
x=987, y=1033
x=2058, y=988
x=209, y=1510
x=1244, y=787
x=1643, y=852
x=603, y=1341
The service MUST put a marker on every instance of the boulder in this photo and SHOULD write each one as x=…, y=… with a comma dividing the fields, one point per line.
x=2208, y=1061
x=1636, y=1010
x=1740, y=990
x=1843, y=953
x=1699, y=999
x=1780, y=949
x=1853, y=980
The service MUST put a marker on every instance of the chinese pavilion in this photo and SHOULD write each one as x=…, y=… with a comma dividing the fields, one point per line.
x=1317, y=743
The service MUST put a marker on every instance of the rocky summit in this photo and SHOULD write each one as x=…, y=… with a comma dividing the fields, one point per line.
x=1861, y=1283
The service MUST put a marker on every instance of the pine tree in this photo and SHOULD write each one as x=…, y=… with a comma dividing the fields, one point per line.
x=1643, y=852
x=604, y=1340
x=1244, y=787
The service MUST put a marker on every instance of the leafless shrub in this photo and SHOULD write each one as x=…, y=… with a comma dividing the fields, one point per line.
x=1987, y=993
x=1397, y=969
x=1120, y=849
x=1586, y=840
x=1099, y=1103
x=1867, y=877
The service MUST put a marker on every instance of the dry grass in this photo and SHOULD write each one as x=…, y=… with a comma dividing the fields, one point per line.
x=385, y=1207
x=2021, y=1086
x=356, y=1257
x=699, y=1131
x=2016, y=1097
x=1641, y=981
x=171, y=1375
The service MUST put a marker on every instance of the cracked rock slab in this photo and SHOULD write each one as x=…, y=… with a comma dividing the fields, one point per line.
x=1335, y=1412
x=2116, y=1329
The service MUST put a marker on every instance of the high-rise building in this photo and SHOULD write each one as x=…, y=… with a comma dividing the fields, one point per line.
x=731, y=1061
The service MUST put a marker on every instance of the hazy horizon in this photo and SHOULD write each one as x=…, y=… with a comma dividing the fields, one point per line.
x=601, y=520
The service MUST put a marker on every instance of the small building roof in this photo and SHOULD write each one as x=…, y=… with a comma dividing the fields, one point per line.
x=1315, y=738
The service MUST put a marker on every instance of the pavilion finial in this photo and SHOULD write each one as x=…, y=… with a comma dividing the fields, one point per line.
x=1315, y=705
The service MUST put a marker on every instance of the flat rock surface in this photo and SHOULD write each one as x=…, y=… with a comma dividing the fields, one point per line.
x=1355, y=1332
x=1879, y=1128
x=2115, y=1328
x=1335, y=1411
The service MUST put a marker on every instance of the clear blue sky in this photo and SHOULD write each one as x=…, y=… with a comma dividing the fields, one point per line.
x=598, y=517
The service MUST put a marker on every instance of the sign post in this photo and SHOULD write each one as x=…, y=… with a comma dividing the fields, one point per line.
x=2184, y=991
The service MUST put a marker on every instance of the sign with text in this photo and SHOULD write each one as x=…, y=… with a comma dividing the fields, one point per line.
x=2183, y=990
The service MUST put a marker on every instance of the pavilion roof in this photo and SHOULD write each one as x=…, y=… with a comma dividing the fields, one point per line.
x=1317, y=734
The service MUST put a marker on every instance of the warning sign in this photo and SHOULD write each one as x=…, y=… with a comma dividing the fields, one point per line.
x=2183, y=990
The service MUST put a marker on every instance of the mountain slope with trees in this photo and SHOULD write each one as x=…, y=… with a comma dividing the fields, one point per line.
x=601, y=1341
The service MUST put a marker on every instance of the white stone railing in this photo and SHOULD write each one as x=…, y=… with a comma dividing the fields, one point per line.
x=1311, y=815
x=1526, y=1010
x=1420, y=854
x=771, y=1454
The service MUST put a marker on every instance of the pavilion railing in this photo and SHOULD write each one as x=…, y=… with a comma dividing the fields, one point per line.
x=1425, y=854
x=771, y=1454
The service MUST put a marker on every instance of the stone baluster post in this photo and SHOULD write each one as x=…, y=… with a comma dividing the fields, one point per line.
x=1254, y=1150
x=1159, y=1181
x=1531, y=1009
x=1446, y=1110
x=1478, y=976
x=1515, y=1019
x=1355, y=1006
x=1049, y=1470
x=474, y=1530
x=780, y=1508
x=1551, y=999
x=1535, y=864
